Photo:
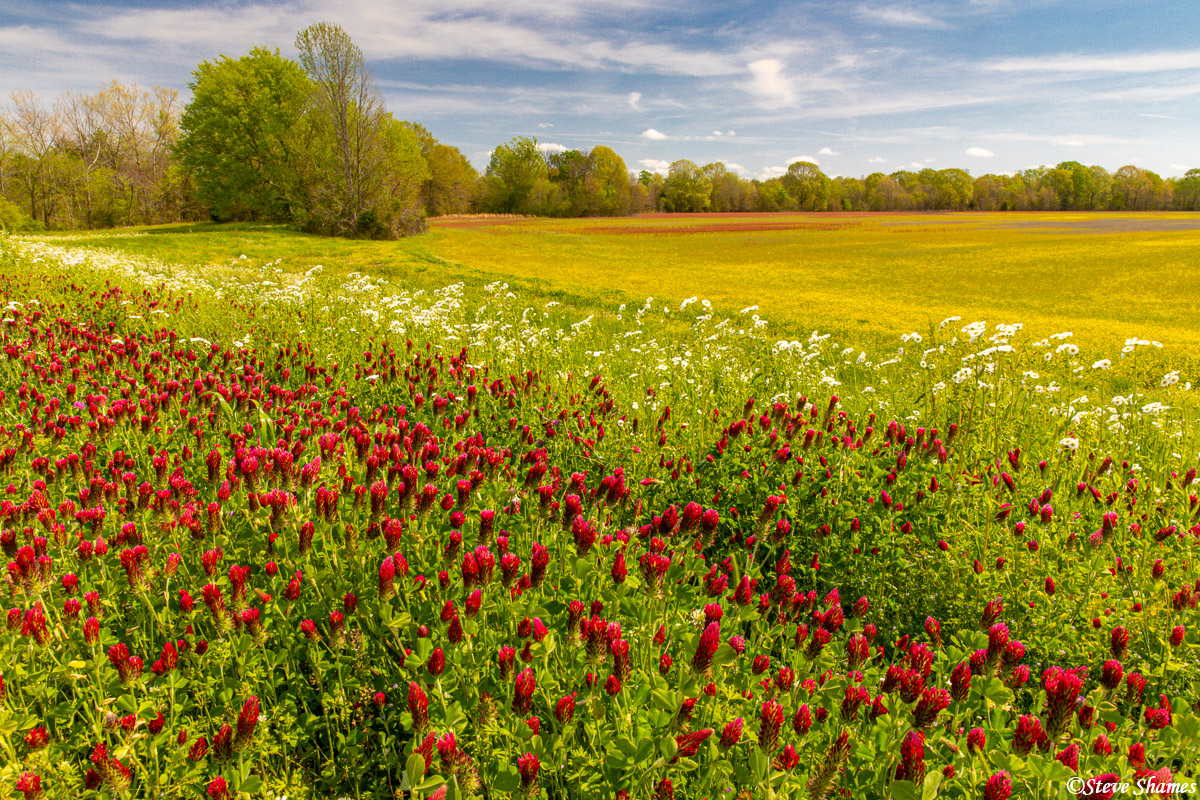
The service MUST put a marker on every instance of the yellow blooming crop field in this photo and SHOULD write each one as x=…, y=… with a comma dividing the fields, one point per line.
x=1106, y=277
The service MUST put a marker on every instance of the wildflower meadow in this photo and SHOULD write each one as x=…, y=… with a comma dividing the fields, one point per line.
x=275, y=533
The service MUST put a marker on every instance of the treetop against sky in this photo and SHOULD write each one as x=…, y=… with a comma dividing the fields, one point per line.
x=859, y=86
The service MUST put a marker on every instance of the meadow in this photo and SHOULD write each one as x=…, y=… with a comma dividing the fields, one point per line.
x=1106, y=277
x=470, y=516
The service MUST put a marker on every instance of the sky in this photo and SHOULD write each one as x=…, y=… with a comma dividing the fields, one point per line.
x=857, y=86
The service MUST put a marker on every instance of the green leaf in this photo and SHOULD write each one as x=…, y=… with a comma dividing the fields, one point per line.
x=250, y=785
x=997, y=692
x=930, y=788
x=905, y=790
x=725, y=655
x=415, y=767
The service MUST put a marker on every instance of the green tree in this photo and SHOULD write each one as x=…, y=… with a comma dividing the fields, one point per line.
x=1186, y=196
x=452, y=182
x=609, y=186
x=240, y=135
x=805, y=182
x=361, y=161
x=517, y=179
x=686, y=188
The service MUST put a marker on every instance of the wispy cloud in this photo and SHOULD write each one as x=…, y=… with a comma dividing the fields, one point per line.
x=1115, y=63
x=634, y=97
x=900, y=16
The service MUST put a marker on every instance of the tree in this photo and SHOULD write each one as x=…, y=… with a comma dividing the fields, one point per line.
x=452, y=182
x=241, y=135
x=609, y=188
x=1187, y=191
x=518, y=179
x=686, y=188
x=805, y=182
x=354, y=174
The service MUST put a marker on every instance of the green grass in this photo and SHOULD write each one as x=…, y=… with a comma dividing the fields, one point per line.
x=877, y=275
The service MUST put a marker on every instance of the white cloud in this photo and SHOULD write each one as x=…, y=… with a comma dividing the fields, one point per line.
x=552, y=147
x=1161, y=61
x=766, y=173
x=916, y=165
x=827, y=151
x=768, y=81
x=980, y=152
x=1180, y=167
x=654, y=135
x=738, y=168
x=545, y=124
x=656, y=165
x=634, y=97
x=900, y=16
x=876, y=160
x=809, y=159
x=731, y=133
x=717, y=133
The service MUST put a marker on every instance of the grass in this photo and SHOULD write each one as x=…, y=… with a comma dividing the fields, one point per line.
x=1105, y=277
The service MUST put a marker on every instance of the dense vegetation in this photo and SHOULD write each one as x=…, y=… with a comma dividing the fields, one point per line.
x=278, y=532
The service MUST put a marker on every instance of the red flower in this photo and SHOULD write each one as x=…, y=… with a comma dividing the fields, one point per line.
x=1029, y=735
x=976, y=741
x=731, y=734
x=30, y=784
x=37, y=738
x=612, y=685
x=418, y=706
x=787, y=759
x=246, y=722
x=706, y=648
x=1119, y=642
x=218, y=789
x=688, y=744
x=437, y=662
x=528, y=766
x=523, y=692
x=998, y=787
x=912, y=758
x=770, y=722
x=565, y=710
x=1111, y=674
x=960, y=681
x=933, y=701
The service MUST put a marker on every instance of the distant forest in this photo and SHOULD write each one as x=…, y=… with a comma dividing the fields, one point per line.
x=310, y=144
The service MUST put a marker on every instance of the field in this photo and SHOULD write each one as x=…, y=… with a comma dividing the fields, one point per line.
x=468, y=516
x=1106, y=277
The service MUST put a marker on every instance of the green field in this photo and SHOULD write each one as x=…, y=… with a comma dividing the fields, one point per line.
x=1105, y=277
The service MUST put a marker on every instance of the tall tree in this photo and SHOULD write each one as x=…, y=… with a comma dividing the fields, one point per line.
x=242, y=135
x=608, y=186
x=808, y=185
x=686, y=188
x=518, y=179
x=452, y=182
x=352, y=174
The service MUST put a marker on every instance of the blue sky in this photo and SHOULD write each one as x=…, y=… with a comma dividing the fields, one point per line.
x=858, y=86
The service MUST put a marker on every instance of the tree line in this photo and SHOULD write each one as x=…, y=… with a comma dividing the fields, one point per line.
x=309, y=143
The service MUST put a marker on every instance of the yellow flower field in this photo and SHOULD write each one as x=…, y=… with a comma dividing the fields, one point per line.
x=1104, y=276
